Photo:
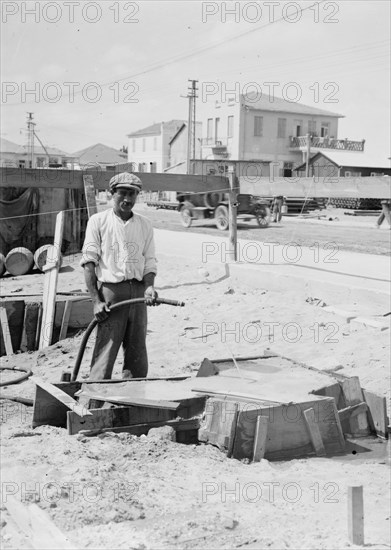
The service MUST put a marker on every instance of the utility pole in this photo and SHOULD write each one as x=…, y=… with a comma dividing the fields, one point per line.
x=30, y=138
x=191, y=123
x=307, y=158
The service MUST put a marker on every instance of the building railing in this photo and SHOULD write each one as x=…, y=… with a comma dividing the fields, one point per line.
x=300, y=142
x=212, y=142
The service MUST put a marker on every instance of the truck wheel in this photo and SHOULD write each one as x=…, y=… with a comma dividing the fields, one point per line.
x=263, y=217
x=186, y=216
x=221, y=218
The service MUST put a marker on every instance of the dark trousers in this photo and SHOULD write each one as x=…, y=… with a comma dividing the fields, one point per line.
x=127, y=327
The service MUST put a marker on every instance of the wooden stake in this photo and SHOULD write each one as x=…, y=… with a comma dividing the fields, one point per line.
x=50, y=284
x=313, y=429
x=65, y=319
x=89, y=190
x=356, y=515
x=6, y=331
x=260, y=438
x=232, y=217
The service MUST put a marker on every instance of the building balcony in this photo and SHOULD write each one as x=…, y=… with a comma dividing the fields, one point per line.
x=217, y=146
x=300, y=143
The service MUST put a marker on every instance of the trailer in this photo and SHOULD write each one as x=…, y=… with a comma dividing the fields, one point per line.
x=214, y=205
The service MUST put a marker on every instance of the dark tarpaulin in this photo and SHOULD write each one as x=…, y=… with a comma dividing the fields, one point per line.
x=14, y=217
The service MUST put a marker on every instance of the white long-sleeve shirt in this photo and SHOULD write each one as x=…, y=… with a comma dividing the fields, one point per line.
x=121, y=250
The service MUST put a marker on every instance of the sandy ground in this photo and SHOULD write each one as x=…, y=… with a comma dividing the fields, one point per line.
x=122, y=491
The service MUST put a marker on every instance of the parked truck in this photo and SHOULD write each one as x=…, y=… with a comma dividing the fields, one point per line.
x=214, y=205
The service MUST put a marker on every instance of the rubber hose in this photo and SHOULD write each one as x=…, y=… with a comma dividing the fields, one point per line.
x=27, y=374
x=94, y=322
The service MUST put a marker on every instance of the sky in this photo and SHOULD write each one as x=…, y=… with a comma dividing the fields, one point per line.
x=101, y=70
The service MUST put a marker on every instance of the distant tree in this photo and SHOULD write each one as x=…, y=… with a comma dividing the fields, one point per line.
x=124, y=149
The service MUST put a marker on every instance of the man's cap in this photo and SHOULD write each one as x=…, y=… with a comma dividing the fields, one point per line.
x=127, y=181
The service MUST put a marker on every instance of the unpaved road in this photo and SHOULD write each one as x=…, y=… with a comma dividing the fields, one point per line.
x=357, y=234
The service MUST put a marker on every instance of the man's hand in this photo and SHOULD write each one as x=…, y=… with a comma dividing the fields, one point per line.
x=101, y=310
x=150, y=296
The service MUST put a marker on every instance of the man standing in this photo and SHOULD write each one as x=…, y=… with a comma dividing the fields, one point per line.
x=119, y=264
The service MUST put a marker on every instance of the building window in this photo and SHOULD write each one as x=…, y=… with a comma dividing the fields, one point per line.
x=133, y=145
x=217, y=129
x=281, y=129
x=40, y=162
x=155, y=143
x=143, y=145
x=209, y=129
x=312, y=127
x=375, y=174
x=152, y=167
x=230, y=127
x=258, y=126
x=22, y=164
x=141, y=167
x=297, y=128
x=324, y=129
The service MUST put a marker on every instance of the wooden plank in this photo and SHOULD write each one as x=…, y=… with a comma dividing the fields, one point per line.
x=39, y=325
x=335, y=391
x=89, y=191
x=61, y=396
x=260, y=438
x=65, y=320
x=14, y=310
x=50, y=284
x=37, y=525
x=357, y=425
x=6, y=331
x=323, y=187
x=30, y=322
x=218, y=419
x=73, y=179
x=288, y=435
x=313, y=430
x=349, y=412
x=377, y=413
x=140, y=429
x=356, y=515
x=232, y=434
x=115, y=418
x=237, y=395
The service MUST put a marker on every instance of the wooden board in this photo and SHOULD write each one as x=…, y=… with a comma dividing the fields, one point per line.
x=377, y=413
x=115, y=418
x=65, y=320
x=50, y=284
x=356, y=515
x=260, y=438
x=51, y=405
x=335, y=391
x=181, y=425
x=14, y=311
x=37, y=525
x=288, y=435
x=314, y=432
x=5, y=331
x=30, y=322
x=357, y=425
x=89, y=191
x=217, y=423
x=73, y=179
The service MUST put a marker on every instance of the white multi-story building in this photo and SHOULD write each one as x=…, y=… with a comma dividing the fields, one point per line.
x=149, y=149
x=268, y=131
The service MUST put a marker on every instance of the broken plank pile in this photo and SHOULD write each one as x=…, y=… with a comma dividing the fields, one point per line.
x=268, y=407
